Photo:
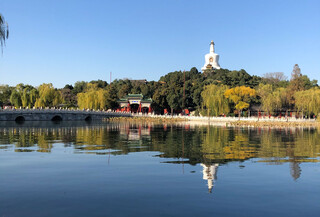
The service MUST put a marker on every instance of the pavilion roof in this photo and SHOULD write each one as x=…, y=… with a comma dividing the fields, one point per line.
x=135, y=96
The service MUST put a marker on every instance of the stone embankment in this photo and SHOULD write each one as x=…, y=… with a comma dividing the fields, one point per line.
x=75, y=115
x=244, y=121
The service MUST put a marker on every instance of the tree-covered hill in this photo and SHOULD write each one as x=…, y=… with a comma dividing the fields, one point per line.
x=176, y=91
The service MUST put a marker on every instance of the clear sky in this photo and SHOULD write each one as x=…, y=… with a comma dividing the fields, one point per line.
x=64, y=41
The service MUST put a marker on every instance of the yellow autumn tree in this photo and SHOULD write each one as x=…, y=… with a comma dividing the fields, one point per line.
x=240, y=96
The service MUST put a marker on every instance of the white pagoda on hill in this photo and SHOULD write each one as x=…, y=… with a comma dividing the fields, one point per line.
x=211, y=59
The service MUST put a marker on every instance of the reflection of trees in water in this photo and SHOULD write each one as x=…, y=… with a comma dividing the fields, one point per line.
x=26, y=138
x=299, y=145
x=295, y=170
x=207, y=145
x=222, y=145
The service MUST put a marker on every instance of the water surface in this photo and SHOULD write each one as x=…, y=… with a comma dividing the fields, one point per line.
x=122, y=169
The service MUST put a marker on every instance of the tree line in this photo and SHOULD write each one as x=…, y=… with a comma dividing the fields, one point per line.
x=213, y=93
x=274, y=95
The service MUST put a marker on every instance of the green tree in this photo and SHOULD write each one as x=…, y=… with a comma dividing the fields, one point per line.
x=239, y=78
x=69, y=98
x=111, y=97
x=214, y=99
x=159, y=99
x=308, y=101
x=26, y=99
x=5, y=93
x=280, y=99
x=93, y=98
x=99, y=83
x=79, y=87
x=307, y=83
x=48, y=96
x=125, y=90
x=173, y=99
x=15, y=98
x=265, y=91
x=296, y=84
x=300, y=102
x=34, y=95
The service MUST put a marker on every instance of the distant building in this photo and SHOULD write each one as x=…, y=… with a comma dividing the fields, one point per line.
x=135, y=103
x=211, y=59
x=141, y=81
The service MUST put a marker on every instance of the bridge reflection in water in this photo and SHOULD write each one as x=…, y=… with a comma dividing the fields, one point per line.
x=210, y=147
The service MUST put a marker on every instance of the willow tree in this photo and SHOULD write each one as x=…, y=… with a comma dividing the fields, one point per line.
x=241, y=97
x=33, y=95
x=93, y=98
x=214, y=99
x=266, y=97
x=272, y=100
x=4, y=31
x=280, y=99
x=48, y=96
x=314, y=102
x=15, y=98
x=300, y=101
x=308, y=101
x=28, y=97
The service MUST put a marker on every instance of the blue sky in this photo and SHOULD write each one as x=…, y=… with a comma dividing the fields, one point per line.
x=64, y=41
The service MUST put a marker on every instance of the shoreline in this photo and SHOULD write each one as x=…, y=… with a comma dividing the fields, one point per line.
x=219, y=121
x=277, y=124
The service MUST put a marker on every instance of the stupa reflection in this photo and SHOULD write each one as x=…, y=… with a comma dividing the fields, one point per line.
x=210, y=174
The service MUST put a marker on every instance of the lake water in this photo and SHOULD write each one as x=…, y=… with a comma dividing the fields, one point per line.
x=122, y=169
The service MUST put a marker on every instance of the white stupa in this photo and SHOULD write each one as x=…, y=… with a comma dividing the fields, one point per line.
x=211, y=59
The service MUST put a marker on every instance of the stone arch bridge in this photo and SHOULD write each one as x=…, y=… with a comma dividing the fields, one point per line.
x=56, y=115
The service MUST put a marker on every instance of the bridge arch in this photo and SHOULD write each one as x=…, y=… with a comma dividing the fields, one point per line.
x=56, y=118
x=88, y=118
x=19, y=119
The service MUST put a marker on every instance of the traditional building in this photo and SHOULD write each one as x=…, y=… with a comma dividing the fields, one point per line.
x=211, y=59
x=135, y=103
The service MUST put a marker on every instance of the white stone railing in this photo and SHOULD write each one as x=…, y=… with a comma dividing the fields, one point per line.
x=227, y=119
x=60, y=110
